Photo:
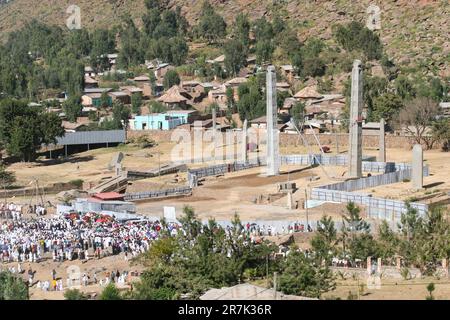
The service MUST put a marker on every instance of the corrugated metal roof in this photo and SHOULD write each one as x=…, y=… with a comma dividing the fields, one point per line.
x=92, y=137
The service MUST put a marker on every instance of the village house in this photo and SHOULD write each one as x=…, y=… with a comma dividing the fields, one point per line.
x=161, y=70
x=307, y=95
x=219, y=60
x=234, y=84
x=96, y=90
x=147, y=89
x=90, y=82
x=287, y=106
x=175, y=97
x=218, y=96
x=445, y=108
x=120, y=96
x=85, y=111
x=112, y=60
x=141, y=79
x=163, y=121
x=130, y=90
x=82, y=122
x=208, y=123
x=204, y=87
x=288, y=72
x=189, y=86
x=283, y=86
x=94, y=99
x=89, y=72
x=261, y=123
x=372, y=128
x=251, y=60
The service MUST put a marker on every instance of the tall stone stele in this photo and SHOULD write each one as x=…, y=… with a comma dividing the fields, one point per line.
x=273, y=155
x=382, y=143
x=355, y=122
x=417, y=167
x=244, y=142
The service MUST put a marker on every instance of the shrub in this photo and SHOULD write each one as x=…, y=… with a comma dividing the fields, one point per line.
x=77, y=183
x=74, y=294
x=110, y=293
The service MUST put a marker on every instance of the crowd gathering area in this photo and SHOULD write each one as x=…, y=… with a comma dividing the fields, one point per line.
x=26, y=241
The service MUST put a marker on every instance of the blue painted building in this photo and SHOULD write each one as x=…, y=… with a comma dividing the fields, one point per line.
x=163, y=121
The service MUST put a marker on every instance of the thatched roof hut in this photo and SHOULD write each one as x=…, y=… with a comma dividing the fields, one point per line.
x=175, y=95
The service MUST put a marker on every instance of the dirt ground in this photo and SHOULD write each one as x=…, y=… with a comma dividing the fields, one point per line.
x=221, y=197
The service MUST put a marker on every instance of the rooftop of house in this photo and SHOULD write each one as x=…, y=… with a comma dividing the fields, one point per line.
x=90, y=80
x=96, y=90
x=236, y=81
x=162, y=65
x=371, y=125
x=289, y=103
x=287, y=67
x=118, y=93
x=181, y=111
x=247, y=291
x=219, y=59
x=283, y=85
x=308, y=93
x=94, y=95
x=142, y=78
x=219, y=91
x=206, y=84
x=174, y=95
x=444, y=105
x=88, y=109
x=131, y=89
x=190, y=83
x=71, y=126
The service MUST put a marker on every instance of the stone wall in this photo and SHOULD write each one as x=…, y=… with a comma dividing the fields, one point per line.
x=369, y=141
x=31, y=191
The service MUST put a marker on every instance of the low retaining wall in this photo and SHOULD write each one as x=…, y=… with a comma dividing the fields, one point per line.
x=376, y=207
x=220, y=169
x=155, y=194
x=25, y=192
x=373, y=181
x=323, y=159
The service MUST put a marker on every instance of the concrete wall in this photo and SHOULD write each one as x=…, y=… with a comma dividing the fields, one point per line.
x=379, y=208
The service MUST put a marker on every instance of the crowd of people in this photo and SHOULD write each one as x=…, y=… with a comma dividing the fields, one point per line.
x=10, y=211
x=75, y=237
x=271, y=230
x=13, y=211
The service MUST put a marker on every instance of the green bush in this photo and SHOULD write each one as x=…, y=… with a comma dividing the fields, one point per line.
x=77, y=183
x=74, y=294
x=12, y=287
x=110, y=293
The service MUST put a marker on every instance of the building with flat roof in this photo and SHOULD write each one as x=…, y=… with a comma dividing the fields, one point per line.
x=163, y=121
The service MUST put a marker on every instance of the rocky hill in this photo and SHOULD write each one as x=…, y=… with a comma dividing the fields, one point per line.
x=414, y=32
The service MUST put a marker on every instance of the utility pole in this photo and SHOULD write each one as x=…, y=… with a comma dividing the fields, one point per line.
x=267, y=270
x=275, y=285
